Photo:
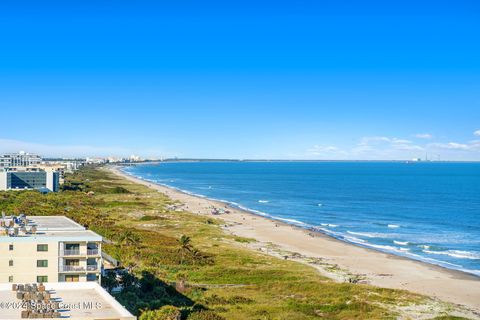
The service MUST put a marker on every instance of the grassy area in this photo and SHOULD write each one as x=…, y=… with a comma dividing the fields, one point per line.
x=211, y=270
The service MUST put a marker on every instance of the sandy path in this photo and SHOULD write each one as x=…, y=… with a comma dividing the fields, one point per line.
x=376, y=268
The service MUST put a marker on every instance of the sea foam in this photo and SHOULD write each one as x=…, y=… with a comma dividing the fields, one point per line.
x=366, y=234
x=461, y=254
x=331, y=225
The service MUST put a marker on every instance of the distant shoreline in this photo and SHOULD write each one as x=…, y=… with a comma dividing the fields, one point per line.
x=373, y=267
x=294, y=160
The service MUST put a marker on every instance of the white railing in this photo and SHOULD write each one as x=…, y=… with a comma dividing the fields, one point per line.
x=73, y=268
x=93, y=267
x=92, y=252
x=75, y=252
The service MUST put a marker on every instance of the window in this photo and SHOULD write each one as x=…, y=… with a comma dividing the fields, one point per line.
x=42, y=247
x=10, y=279
x=72, y=246
x=41, y=279
x=72, y=262
x=10, y=247
x=42, y=263
x=72, y=278
x=10, y=263
x=92, y=277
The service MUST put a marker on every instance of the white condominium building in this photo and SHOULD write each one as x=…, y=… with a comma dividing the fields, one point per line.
x=21, y=159
x=48, y=249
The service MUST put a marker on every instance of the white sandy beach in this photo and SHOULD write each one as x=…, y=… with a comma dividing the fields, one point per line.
x=353, y=262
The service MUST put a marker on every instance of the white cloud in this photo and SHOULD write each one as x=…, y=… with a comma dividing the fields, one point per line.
x=369, y=148
x=470, y=146
x=424, y=136
x=462, y=151
x=385, y=148
x=379, y=140
x=450, y=145
x=401, y=141
x=477, y=133
x=367, y=143
x=391, y=148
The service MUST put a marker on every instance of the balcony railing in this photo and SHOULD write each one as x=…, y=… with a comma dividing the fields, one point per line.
x=73, y=268
x=74, y=252
x=92, y=252
x=93, y=267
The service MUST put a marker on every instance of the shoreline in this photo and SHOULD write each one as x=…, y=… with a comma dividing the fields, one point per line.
x=305, y=227
x=334, y=258
x=296, y=224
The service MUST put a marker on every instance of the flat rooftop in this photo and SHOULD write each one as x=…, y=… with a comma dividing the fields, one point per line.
x=81, y=300
x=52, y=223
x=52, y=228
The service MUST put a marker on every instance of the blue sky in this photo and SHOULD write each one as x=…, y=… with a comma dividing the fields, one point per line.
x=241, y=79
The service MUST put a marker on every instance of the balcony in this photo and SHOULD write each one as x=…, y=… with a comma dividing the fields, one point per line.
x=72, y=269
x=92, y=252
x=75, y=252
x=93, y=267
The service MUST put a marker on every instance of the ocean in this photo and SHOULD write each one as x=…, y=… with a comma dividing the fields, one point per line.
x=428, y=211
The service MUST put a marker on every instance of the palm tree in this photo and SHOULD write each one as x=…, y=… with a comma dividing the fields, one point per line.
x=200, y=257
x=185, y=242
x=128, y=238
x=197, y=256
x=185, y=246
x=131, y=259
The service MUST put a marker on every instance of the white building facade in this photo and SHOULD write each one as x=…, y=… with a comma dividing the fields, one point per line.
x=20, y=159
x=48, y=249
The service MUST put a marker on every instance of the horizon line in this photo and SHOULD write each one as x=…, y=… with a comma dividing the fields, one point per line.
x=292, y=160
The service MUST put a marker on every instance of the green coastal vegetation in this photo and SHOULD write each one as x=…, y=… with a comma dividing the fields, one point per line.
x=179, y=265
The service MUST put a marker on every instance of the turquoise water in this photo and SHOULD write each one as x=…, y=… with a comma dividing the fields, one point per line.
x=424, y=211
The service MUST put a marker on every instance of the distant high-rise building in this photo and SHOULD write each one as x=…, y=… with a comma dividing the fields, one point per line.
x=20, y=159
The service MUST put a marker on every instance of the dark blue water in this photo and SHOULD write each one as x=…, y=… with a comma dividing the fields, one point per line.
x=425, y=211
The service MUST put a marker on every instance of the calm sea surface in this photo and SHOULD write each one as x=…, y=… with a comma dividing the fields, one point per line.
x=424, y=211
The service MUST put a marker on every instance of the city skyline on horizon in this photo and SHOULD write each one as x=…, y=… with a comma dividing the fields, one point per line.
x=52, y=152
x=310, y=80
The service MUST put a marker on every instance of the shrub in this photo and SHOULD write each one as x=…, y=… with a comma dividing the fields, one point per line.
x=119, y=189
x=164, y=313
x=204, y=315
x=150, y=218
x=244, y=240
x=217, y=300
